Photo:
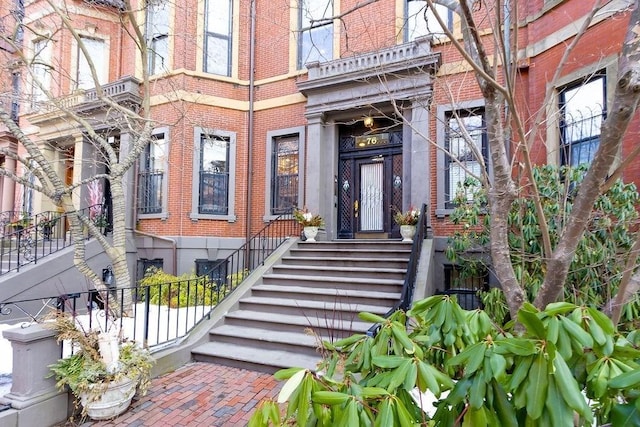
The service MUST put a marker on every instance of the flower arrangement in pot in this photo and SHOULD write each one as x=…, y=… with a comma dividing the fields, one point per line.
x=309, y=222
x=407, y=221
x=104, y=370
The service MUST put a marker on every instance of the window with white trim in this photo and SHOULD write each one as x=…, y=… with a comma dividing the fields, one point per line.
x=99, y=57
x=466, y=150
x=158, y=36
x=420, y=20
x=151, y=176
x=217, y=37
x=214, y=168
x=315, y=37
x=41, y=67
x=214, y=175
x=582, y=110
x=284, y=173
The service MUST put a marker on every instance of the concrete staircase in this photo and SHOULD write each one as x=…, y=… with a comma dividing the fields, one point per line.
x=319, y=287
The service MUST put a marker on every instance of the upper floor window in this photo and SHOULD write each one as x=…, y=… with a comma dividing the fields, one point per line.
x=466, y=147
x=217, y=40
x=214, y=175
x=151, y=176
x=421, y=21
x=315, y=38
x=41, y=67
x=582, y=110
x=98, y=55
x=158, y=35
x=284, y=174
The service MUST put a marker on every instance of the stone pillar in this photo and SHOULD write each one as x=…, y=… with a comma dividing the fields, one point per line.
x=8, y=186
x=33, y=395
x=417, y=189
x=321, y=172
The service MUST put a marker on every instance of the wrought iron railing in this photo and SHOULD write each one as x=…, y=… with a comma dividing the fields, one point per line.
x=150, y=191
x=406, y=295
x=164, y=313
x=27, y=239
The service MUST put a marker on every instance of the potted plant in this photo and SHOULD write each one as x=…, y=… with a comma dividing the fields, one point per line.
x=104, y=370
x=407, y=221
x=21, y=223
x=47, y=224
x=309, y=222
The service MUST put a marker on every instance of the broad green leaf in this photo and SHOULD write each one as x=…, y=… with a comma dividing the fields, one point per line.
x=516, y=346
x=575, y=331
x=570, y=390
x=345, y=342
x=294, y=381
x=536, y=391
x=504, y=409
x=285, y=374
x=602, y=320
x=532, y=322
x=556, y=308
x=478, y=392
x=626, y=380
x=559, y=412
x=400, y=334
x=389, y=362
x=410, y=377
x=386, y=415
x=329, y=397
x=372, y=318
x=625, y=415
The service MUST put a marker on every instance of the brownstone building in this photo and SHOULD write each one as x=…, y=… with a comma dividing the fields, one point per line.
x=336, y=105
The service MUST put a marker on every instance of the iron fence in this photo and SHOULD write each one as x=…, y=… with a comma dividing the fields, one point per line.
x=406, y=295
x=163, y=313
x=26, y=239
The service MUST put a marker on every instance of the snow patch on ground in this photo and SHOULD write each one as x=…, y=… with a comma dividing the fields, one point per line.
x=165, y=325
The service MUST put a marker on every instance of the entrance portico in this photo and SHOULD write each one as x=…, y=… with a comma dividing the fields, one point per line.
x=385, y=165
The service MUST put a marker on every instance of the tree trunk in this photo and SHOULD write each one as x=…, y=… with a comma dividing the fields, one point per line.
x=624, y=106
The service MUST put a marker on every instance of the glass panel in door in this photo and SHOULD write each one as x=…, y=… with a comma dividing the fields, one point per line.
x=371, y=197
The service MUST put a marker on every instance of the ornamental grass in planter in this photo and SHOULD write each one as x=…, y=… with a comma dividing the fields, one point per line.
x=104, y=370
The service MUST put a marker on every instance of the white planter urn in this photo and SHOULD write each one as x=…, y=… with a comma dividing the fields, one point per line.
x=310, y=233
x=110, y=402
x=407, y=232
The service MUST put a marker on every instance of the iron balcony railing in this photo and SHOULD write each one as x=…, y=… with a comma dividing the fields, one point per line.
x=164, y=313
x=406, y=295
x=27, y=239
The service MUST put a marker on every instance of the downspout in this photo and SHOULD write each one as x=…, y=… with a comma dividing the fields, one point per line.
x=507, y=54
x=250, y=124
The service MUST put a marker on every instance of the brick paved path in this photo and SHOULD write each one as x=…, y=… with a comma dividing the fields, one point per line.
x=198, y=394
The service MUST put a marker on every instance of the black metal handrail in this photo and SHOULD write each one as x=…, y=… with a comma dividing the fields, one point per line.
x=27, y=239
x=164, y=313
x=406, y=296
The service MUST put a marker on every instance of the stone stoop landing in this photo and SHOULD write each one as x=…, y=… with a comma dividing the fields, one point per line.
x=313, y=293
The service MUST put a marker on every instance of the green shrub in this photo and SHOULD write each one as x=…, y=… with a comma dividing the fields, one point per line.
x=479, y=373
x=180, y=291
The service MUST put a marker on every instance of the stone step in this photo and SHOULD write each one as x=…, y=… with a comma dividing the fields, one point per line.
x=359, y=244
x=301, y=307
x=400, y=263
x=335, y=282
x=247, y=357
x=267, y=339
x=344, y=272
x=338, y=326
x=331, y=295
x=378, y=253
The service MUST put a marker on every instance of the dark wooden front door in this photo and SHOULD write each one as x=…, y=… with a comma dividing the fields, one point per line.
x=369, y=186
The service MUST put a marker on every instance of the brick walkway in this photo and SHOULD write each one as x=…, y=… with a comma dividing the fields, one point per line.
x=198, y=394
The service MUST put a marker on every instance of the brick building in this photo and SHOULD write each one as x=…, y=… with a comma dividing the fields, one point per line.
x=262, y=105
